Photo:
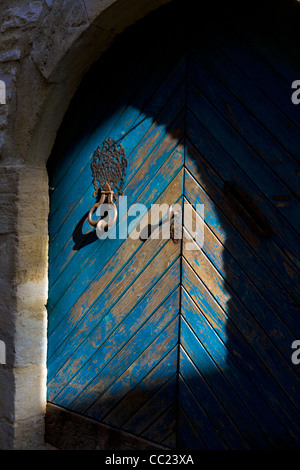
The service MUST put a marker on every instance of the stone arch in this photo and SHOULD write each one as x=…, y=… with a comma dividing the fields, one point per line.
x=68, y=38
x=58, y=43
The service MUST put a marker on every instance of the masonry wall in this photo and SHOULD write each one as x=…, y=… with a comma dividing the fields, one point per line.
x=45, y=49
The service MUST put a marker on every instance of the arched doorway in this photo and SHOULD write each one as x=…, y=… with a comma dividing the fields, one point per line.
x=182, y=348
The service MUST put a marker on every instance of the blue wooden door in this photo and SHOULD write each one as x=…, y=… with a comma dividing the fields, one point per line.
x=186, y=348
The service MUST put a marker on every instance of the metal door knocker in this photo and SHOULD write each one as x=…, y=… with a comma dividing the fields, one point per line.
x=108, y=170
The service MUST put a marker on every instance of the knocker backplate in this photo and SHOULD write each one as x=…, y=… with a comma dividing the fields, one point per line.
x=109, y=166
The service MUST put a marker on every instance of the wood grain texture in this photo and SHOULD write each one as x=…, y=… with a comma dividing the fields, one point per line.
x=110, y=282
x=66, y=430
x=147, y=374
x=186, y=344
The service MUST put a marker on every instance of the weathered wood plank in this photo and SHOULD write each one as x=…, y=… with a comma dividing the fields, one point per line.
x=70, y=259
x=141, y=388
x=152, y=328
x=222, y=422
x=256, y=65
x=226, y=329
x=253, y=168
x=269, y=116
x=162, y=427
x=91, y=253
x=131, y=377
x=153, y=140
x=149, y=181
x=205, y=412
x=152, y=410
x=170, y=441
x=66, y=430
x=248, y=382
x=255, y=310
x=187, y=436
x=227, y=396
x=62, y=371
x=88, y=366
x=211, y=167
x=114, y=277
x=129, y=130
x=277, y=270
x=140, y=76
x=271, y=157
x=125, y=264
x=280, y=53
x=237, y=278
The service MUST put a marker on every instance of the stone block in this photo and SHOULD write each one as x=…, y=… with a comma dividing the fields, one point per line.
x=27, y=115
x=10, y=55
x=95, y=7
x=57, y=32
x=32, y=181
x=30, y=341
x=29, y=434
x=33, y=202
x=30, y=393
x=8, y=74
x=7, y=433
x=8, y=219
x=9, y=180
x=32, y=257
x=21, y=16
x=8, y=252
x=32, y=296
x=7, y=389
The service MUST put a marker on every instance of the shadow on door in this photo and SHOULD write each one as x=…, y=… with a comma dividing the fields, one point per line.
x=201, y=102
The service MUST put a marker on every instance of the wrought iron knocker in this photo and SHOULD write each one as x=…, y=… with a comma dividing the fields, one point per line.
x=108, y=169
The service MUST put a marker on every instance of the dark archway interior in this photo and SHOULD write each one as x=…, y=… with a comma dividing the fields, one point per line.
x=230, y=67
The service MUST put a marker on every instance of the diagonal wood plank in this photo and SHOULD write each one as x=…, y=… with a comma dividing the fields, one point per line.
x=136, y=77
x=252, y=166
x=130, y=129
x=105, y=283
x=238, y=412
x=187, y=436
x=222, y=219
x=131, y=390
x=144, y=307
x=150, y=330
x=270, y=116
x=257, y=67
x=151, y=412
x=163, y=426
x=277, y=160
x=248, y=385
x=186, y=348
x=208, y=417
x=226, y=330
x=256, y=312
x=149, y=195
x=152, y=139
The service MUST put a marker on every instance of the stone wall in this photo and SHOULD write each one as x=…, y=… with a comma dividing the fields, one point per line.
x=46, y=47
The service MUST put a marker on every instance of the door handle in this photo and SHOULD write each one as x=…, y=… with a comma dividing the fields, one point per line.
x=101, y=224
x=174, y=223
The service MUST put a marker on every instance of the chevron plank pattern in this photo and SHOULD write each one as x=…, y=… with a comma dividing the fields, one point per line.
x=189, y=348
